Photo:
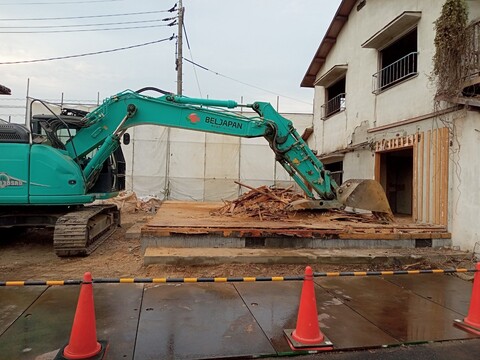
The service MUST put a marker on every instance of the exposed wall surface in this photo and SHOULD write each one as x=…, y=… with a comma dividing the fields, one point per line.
x=358, y=165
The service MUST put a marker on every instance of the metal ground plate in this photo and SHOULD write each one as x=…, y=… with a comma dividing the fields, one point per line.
x=45, y=326
x=197, y=321
x=406, y=316
x=275, y=307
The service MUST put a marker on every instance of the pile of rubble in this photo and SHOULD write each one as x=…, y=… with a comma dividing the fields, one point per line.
x=265, y=203
x=128, y=202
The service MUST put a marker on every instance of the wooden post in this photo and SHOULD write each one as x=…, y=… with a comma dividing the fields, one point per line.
x=438, y=174
x=415, y=180
x=421, y=146
x=378, y=163
x=434, y=176
x=444, y=177
x=427, y=179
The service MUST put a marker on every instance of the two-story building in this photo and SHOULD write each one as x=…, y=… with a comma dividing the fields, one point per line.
x=375, y=114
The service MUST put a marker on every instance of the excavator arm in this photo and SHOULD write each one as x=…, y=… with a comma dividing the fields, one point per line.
x=105, y=126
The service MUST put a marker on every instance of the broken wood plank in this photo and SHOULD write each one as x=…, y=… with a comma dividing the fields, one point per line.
x=273, y=196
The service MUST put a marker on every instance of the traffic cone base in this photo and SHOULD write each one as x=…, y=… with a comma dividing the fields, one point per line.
x=467, y=327
x=324, y=345
x=471, y=322
x=307, y=334
x=99, y=356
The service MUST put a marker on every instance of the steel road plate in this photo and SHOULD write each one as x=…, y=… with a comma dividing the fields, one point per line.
x=446, y=290
x=14, y=301
x=196, y=321
x=46, y=325
x=275, y=307
x=406, y=316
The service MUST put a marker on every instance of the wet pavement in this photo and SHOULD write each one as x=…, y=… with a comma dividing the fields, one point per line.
x=246, y=319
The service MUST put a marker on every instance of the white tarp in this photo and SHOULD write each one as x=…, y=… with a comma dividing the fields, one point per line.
x=202, y=166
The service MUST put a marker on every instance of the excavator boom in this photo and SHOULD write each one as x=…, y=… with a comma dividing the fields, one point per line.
x=117, y=114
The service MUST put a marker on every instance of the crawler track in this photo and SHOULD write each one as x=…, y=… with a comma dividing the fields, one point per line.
x=80, y=232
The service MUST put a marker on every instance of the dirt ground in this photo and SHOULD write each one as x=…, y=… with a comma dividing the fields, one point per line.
x=30, y=256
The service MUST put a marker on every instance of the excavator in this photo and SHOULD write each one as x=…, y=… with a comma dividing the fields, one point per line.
x=53, y=169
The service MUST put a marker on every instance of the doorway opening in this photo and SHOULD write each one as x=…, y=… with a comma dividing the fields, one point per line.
x=396, y=177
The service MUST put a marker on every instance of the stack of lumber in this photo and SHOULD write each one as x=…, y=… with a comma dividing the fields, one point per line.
x=264, y=203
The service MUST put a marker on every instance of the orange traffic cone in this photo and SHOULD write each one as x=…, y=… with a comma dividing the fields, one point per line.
x=83, y=342
x=307, y=335
x=472, y=322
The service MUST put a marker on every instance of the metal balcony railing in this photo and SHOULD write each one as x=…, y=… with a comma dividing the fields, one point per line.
x=333, y=106
x=394, y=73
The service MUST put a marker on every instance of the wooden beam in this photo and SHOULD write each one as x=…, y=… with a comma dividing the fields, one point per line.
x=434, y=176
x=427, y=179
x=421, y=146
x=444, y=177
x=415, y=180
x=269, y=194
x=378, y=164
x=438, y=162
x=413, y=120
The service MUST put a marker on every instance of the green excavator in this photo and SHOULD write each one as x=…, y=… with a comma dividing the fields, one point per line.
x=51, y=170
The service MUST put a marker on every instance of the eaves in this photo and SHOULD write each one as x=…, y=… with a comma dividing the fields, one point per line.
x=329, y=40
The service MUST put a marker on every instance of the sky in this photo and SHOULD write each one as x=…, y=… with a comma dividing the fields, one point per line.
x=254, y=50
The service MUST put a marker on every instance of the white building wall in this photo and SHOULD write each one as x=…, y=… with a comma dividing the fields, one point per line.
x=464, y=180
x=399, y=102
x=408, y=100
x=358, y=165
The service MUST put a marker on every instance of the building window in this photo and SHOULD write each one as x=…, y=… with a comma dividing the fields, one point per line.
x=396, y=44
x=336, y=171
x=335, y=97
x=398, y=62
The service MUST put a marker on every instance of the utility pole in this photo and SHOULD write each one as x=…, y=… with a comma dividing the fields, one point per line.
x=180, y=48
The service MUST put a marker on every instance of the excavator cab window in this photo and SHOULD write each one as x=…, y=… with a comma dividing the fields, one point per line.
x=55, y=131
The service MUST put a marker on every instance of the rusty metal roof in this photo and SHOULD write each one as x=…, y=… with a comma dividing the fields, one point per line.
x=329, y=40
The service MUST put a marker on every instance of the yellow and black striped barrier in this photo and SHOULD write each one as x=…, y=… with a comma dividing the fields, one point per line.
x=230, y=279
x=395, y=272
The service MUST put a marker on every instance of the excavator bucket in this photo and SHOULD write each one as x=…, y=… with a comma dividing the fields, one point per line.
x=364, y=194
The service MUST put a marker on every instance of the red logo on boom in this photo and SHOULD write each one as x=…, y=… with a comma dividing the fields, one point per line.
x=193, y=118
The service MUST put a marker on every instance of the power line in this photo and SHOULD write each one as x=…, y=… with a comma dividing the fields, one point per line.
x=88, y=30
x=86, y=25
x=242, y=82
x=85, y=54
x=190, y=51
x=91, y=16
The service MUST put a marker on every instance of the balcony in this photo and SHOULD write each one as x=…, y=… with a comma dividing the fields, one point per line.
x=404, y=68
x=333, y=106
